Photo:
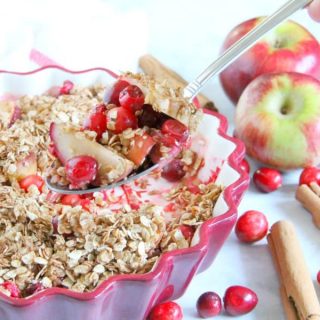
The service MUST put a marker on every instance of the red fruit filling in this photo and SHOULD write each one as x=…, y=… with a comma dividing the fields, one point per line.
x=97, y=120
x=120, y=119
x=28, y=181
x=81, y=170
x=12, y=288
x=176, y=130
x=70, y=200
x=131, y=98
x=66, y=87
x=115, y=92
x=173, y=171
x=187, y=231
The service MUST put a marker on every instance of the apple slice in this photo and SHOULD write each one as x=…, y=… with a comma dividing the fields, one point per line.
x=9, y=113
x=140, y=148
x=26, y=167
x=69, y=143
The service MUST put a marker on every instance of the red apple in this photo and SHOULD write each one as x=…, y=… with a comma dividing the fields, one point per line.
x=9, y=113
x=287, y=48
x=278, y=119
x=68, y=144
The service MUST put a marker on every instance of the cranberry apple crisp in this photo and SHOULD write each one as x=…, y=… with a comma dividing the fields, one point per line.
x=94, y=135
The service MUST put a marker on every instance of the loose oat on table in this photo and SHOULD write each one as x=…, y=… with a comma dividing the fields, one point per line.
x=57, y=245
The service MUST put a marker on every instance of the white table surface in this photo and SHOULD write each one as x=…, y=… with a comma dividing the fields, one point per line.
x=186, y=35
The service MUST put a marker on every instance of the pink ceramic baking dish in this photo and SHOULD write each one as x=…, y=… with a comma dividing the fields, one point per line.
x=132, y=296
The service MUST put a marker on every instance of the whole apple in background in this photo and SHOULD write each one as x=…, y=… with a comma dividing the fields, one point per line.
x=278, y=119
x=287, y=48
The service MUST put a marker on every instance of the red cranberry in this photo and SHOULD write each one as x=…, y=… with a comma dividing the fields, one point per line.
x=120, y=119
x=252, y=226
x=267, y=179
x=33, y=179
x=112, y=96
x=239, y=300
x=166, y=311
x=131, y=98
x=85, y=204
x=187, y=231
x=318, y=277
x=33, y=288
x=12, y=288
x=308, y=175
x=81, y=170
x=97, y=120
x=67, y=87
x=209, y=305
x=176, y=130
x=245, y=166
x=70, y=200
x=173, y=171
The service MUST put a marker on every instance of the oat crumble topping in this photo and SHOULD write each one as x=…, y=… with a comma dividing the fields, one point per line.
x=44, y=241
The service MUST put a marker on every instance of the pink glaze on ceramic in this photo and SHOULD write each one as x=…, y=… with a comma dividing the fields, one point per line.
x=130, y=297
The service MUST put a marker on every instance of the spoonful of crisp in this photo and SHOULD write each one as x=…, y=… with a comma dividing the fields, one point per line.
x=141, y=126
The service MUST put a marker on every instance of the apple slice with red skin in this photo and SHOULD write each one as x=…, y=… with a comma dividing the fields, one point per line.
x=140, y=148
x=9, y=113
x=68, y=143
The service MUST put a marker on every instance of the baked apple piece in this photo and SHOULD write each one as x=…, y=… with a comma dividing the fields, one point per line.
x=9, y=113
x=69, y=143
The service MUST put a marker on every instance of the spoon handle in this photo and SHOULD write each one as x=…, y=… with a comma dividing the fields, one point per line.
x=231, y=54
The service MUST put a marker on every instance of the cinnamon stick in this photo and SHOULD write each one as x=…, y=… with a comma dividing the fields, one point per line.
x=297, y=291
x=309, y=196
x=153, y=67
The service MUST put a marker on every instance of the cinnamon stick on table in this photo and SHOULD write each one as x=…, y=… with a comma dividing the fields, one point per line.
x=309, y=196
x=297, y=291
x=154, y=68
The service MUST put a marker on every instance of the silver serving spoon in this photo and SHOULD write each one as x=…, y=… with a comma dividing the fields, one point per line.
x=193, y=88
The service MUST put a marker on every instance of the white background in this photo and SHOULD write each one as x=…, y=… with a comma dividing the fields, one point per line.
x=186, y=35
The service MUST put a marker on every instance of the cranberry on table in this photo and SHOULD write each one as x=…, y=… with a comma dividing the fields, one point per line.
x=173, y=171
x=267, y=179
x=66, y=87
x=12, y=288
x=131, y=98
x=120, y=119
x=112, y=96
x=209, y=305
x=97, y=120
x=166, y=311
x=239, y=300
x=245, y=166
x=251, y=226
x=70, y=200
x=308, y=175
x=318, y=277
x=176, y=130
x=33, y=179
x=81, y=170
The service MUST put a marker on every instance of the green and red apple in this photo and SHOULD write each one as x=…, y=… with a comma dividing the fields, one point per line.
x=287, y=48
x=278, y=119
